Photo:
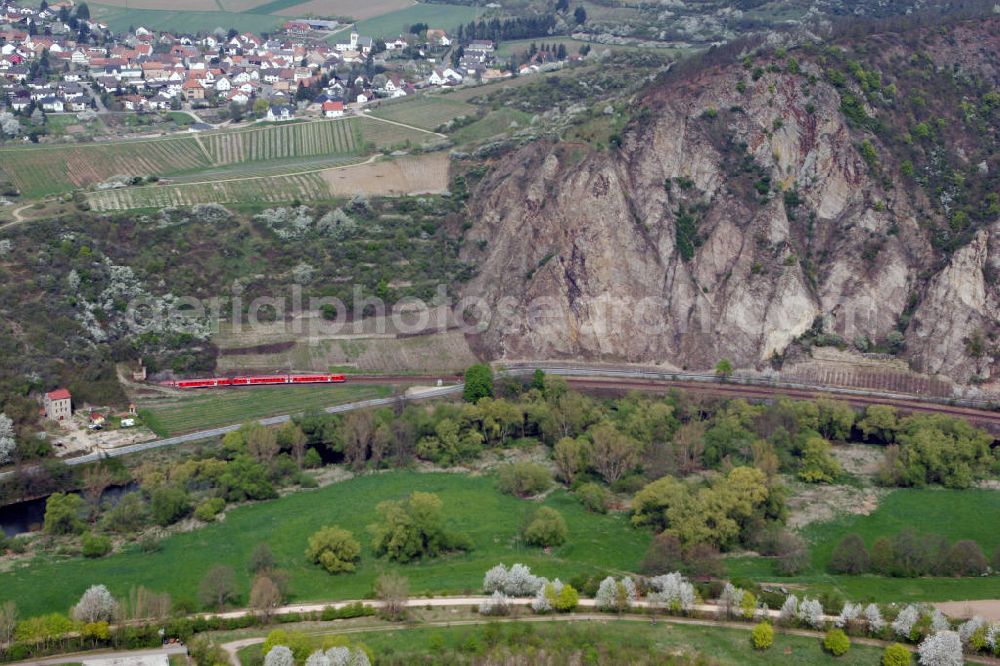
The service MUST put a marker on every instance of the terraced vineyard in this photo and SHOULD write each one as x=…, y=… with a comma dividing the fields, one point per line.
x=41, y=171
x=308, y=186
x=46, y=170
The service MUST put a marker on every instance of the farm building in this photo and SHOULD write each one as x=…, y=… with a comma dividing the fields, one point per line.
x=58, y=405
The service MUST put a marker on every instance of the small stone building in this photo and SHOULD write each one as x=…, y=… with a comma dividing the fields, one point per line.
x=58, y=405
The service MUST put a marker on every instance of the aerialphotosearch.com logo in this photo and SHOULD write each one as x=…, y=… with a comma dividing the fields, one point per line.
x=324, y=317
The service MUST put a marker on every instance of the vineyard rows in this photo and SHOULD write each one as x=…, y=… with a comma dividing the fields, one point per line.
x=273, y=189
x=49, y=170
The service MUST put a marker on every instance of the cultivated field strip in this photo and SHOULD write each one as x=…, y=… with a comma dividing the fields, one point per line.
x=273, y=189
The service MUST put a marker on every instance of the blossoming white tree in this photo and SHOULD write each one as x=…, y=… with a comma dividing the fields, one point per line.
x=279, y=655
x=789, y=609
x=873, y=618
x=943, y=648
x=672, y=591
x=96, y=605
x=811, y=613
x=905, y=621
x=7, y=440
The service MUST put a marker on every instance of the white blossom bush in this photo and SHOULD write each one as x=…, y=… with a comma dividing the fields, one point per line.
x=495, y=579
x=518, y=581
x=497, y=604
x=903, y=625
x=6, y=246
x=943, y=648
x=9, y=124
x=7, y=440
x=318, y=658
x=303, y=273
x=970, y=627
x=339, y=656
x=287, y=223
x=939, y=621
x=96, y=605
x=615, y=595
x=211, y=213
x=731, y=598
x=336, y=224
x=789, y=610
x=873, y=618
x=279, y=655
x=992, y=637
x=811, y=613
x=541, y=604
x=672, y=591
x=848, y=615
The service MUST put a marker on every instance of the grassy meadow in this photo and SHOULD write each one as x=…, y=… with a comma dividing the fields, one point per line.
x=724, y=646
x=209, y=409
x=443, y=16
x=953, y=514
x=597, y=545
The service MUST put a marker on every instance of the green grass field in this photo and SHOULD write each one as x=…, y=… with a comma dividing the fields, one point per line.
x=427, y=111
x=208, y=409
x=121, y=19
x=446, y=17
x=495, y=123
x=953, y=514
x=597, y=544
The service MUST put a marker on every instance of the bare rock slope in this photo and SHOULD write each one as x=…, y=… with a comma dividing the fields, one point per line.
x=738, y=210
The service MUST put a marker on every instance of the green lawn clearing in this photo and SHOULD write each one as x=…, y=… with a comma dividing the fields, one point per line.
x=953, y=514
x=209, y=409
x=597, y=544
x=443, y=16
x=721, y=645
x=426, y=111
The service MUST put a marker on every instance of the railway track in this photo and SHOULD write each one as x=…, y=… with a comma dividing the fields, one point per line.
x=602, y=379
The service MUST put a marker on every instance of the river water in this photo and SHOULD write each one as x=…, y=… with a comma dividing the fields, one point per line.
x=28, y=516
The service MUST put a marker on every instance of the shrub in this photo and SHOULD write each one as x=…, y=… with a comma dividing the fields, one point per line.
x=943, y=648
x=762, y=636
x=413, y=528
x=594, y=497
x=95, y=545
x=966, y=559
x=168, y=505
x=209, y=509
x=850, y=556
x=673, y=591
x=335, y=549
x=896, y=654
x=567, y=599
x=547, y=528
x=524, y=479
x=836, y=642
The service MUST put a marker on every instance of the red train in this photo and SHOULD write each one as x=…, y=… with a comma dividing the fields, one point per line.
x=255, y=380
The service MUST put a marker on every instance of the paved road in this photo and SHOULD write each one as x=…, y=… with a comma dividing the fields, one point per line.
x=77, y=657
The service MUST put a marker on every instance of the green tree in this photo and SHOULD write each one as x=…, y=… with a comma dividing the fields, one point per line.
x=546, y=528
x=95, y=545
x=571, y=456
x=762, y=636
x=63, y=513
x=478, y=383
x=413, y=528
x=580, y=15
x=524, y=479
x=836, y=642
x=818, y=464
x=260, y=107
x=724, y=368
x=169, y=504
x=850, y=556
x=334, y=549
x=594, y=497
x=612, y=453
x=883, y=558
x=896, y=654
x=879, y=423
x=218, y=587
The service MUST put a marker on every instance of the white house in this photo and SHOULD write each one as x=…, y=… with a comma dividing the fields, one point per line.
x=280, y=112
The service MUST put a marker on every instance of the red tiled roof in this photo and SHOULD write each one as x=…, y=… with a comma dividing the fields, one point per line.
x=58, y=394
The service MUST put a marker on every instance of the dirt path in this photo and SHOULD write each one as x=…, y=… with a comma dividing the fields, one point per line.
x=984, y=608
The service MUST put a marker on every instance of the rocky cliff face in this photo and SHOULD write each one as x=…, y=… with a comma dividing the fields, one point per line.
x=585, y=254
